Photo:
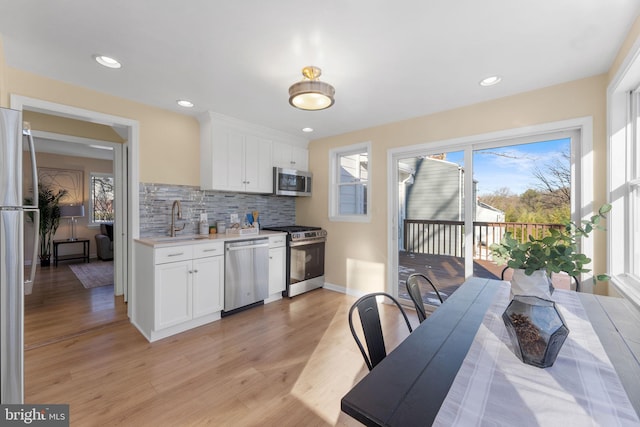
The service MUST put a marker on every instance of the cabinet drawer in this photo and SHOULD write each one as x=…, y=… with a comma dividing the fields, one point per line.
x=208, y=249
x=173, y=254
x=277, y=241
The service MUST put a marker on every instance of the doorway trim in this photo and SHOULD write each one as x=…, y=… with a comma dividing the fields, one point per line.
x=128, y=173
x=581, y=181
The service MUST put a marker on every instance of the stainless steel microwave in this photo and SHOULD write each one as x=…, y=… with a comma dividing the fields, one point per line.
x=291, y=182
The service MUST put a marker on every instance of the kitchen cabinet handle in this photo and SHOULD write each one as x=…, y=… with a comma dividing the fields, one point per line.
x=176, y=254
x=239, y=248
x=210, y=250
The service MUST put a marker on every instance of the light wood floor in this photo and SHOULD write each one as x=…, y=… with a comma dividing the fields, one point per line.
x=60, y=307
x=287, y=363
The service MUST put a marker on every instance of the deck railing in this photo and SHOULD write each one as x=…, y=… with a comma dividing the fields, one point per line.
x=447, y=237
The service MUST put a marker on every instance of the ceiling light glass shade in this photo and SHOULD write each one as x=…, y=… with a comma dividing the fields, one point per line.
x=310, y=93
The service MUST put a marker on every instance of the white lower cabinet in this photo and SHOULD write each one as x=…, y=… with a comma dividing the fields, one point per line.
x=277, y=264
x=177, y=287
x=173, y=288
x=208, y=299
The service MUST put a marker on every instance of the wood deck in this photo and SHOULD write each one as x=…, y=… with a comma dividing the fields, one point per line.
x=446, y=273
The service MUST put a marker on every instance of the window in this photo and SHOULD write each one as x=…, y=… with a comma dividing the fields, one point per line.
x=633, y=189
x=624, y=179
x=101, y=198
x=349, y=183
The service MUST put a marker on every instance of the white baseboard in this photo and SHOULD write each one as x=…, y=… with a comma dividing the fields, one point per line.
x=343, y=290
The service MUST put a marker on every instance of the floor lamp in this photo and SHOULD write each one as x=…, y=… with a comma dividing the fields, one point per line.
x=72, y=212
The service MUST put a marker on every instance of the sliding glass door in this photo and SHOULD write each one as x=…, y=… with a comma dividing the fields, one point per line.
x=450, y=206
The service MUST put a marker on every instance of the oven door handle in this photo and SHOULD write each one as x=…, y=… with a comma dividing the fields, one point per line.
x=307, y=242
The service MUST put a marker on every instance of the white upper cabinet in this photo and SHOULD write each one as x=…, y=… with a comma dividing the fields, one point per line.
x=239, y=156
x=290, y=156
x=233, y=158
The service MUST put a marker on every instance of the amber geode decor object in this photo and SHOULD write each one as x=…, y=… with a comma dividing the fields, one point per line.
x=536, y=328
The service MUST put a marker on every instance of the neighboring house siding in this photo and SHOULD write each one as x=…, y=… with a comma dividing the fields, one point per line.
x=486, y=213
x=436, y=192
x=437, y=195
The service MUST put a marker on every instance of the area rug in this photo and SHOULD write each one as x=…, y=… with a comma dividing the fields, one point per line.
x=95, y=274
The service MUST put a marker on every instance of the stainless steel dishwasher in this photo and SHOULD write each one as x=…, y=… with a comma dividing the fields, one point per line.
x=246, y=273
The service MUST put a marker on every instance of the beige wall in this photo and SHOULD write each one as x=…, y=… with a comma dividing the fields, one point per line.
x=169, y=142
x=356, y=251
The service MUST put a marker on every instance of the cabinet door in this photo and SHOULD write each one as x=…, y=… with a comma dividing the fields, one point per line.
x=258, y=169
x=277, y=267
x=221, y=168
x=235, y=167
x=281, y=155
x=299, y=158
x=173, y=287
x=208, y=282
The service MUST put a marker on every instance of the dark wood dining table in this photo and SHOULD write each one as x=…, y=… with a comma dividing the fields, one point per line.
x=408, y=387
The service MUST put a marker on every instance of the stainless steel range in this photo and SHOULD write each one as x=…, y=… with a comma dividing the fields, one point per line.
x=305, y=258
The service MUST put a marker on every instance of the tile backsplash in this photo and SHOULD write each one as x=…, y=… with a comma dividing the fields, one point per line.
x=156, y=201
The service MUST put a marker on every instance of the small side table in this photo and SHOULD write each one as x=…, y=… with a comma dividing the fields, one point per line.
x=84, y=255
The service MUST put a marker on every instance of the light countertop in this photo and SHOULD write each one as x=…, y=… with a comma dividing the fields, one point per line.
x=195, y=239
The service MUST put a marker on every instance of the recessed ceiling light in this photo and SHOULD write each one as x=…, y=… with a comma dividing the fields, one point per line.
x=307, y=129
x=107, y=61
x=490, y=81
x=184, y=103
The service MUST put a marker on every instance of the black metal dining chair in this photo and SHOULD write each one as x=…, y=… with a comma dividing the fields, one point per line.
x=575, y=279
x=415, y=292
x=367, y=307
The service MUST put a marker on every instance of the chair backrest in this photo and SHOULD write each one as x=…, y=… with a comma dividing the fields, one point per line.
x=367, y=307
x=415, y=292
x=575, y=279
x=107, y=229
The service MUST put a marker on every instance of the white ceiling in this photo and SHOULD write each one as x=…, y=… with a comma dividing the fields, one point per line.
x=388, y=61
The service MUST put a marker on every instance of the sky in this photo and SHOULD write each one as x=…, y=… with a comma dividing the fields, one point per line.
x=514, y=168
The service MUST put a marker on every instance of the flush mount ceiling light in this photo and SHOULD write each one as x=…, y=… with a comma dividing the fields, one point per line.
x=307, y=130
x=310, y=93
x=490, y=81
x=184, y=103
x=107, y=61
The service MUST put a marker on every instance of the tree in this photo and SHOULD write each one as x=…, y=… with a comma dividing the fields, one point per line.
x=555, y=180
x=103, y=198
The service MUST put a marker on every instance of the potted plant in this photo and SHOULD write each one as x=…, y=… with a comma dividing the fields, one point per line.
x=49, y=207
x=554, y=253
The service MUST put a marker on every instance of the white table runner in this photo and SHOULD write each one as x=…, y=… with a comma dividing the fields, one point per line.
x=494, y=388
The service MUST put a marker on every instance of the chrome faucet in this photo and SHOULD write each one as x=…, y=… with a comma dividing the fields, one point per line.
x=173, y=215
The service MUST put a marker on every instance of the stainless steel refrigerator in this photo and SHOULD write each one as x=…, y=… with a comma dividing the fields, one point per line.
x=14, y=143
